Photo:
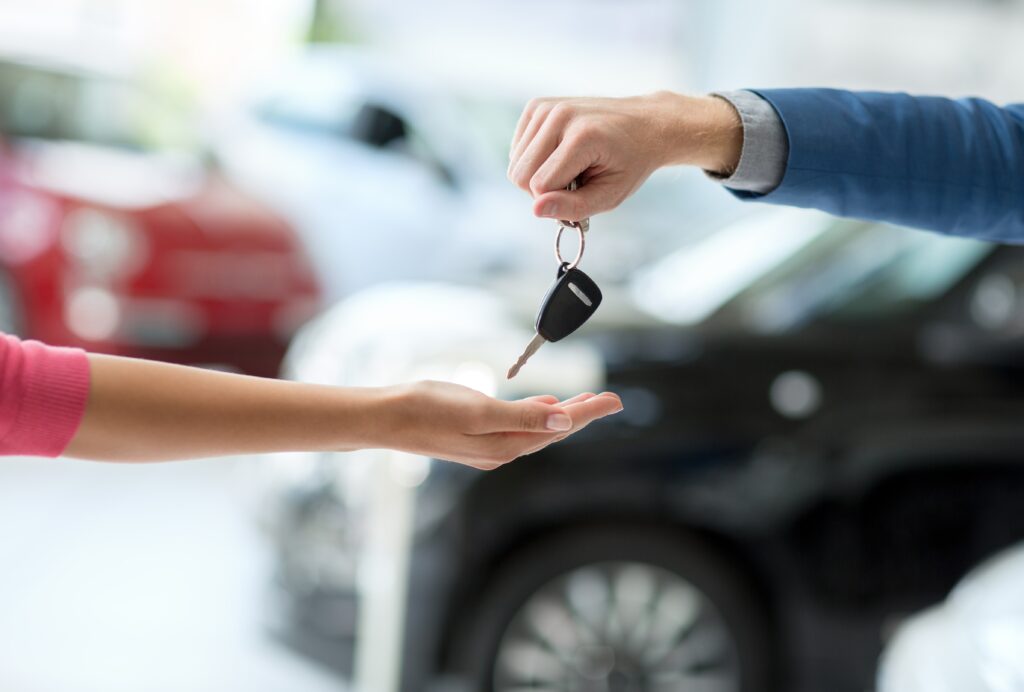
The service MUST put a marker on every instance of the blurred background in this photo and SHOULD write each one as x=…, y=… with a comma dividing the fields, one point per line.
x=821, y=427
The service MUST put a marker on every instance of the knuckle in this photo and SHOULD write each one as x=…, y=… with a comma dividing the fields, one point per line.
x=525, y=419
x=528, y=419
x=521, y=178
x=544, y=108
x=561, y=111
x=539, y=183
x=586, y=131
x=579, y=207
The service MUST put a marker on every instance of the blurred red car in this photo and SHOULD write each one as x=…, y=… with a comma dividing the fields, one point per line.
x=116, y=237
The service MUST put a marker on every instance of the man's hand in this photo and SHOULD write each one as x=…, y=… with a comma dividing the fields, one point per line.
x=613, y=145
x=451, y=422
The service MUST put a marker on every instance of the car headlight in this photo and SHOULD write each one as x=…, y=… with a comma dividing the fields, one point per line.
x=28, y=223
x=103, y=245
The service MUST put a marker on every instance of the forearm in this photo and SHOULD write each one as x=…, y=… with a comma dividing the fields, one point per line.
x=145, y=411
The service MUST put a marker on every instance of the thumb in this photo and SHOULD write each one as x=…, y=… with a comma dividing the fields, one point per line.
x=532, y=416
x=587, y=201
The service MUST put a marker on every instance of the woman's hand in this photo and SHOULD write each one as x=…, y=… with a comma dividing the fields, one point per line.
x=144, y=411
x=614, y=144
x=447, y=421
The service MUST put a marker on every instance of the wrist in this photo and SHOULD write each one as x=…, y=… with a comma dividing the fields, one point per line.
x=375, y=417
x=702, y=131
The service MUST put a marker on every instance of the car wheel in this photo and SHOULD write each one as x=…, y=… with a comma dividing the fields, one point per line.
x=618, y=611
x=10, y=306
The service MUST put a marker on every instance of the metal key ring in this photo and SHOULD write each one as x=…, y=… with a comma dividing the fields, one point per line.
x=558, y=248
x=581, y=226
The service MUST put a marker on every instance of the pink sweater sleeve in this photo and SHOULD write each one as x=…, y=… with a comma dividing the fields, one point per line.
x=43, y=391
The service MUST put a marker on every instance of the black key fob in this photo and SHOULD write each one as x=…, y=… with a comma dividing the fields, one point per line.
x=568, y=304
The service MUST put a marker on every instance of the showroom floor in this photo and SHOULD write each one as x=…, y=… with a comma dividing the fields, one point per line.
x=136, y=579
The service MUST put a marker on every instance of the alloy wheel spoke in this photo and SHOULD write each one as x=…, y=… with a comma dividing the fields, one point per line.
x=626, y=621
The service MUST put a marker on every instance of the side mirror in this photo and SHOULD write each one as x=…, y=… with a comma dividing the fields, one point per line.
x=378, y=127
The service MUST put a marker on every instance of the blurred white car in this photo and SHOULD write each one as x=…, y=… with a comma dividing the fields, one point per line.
x=390, y=176
x=974, y=642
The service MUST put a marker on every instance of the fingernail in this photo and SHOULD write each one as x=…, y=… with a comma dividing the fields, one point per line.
x=559, y=422
x=549, y=209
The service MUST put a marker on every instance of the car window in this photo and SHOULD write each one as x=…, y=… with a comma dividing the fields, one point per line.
x=313, y=98
x=53, y=105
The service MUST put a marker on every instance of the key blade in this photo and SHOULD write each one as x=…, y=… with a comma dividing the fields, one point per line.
x=531, y=348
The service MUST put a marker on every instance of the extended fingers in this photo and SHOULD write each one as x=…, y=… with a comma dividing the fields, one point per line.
x=584, y=409
x=544, y=399
x=590, y=409
x=596, y=407
x=526, y=416
x=542, y=417
x=542, y=414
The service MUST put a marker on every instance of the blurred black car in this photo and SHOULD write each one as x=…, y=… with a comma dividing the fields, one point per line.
x=832, y=440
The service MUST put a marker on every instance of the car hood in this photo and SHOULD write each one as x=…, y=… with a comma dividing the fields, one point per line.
x=126, y=180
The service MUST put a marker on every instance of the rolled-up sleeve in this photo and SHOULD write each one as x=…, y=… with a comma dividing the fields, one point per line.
x=765, y=150
x=43, y=393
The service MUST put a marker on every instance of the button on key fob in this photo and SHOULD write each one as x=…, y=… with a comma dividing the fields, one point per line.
x=570, y=302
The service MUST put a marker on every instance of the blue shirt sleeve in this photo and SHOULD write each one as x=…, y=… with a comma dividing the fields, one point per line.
x=953, y=166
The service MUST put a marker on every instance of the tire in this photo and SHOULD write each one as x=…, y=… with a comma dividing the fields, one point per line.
x=554, y=618
x=11, y=319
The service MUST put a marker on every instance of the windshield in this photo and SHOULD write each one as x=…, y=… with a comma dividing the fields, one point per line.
x=782, y=268
x=855, y=270
x=39, y=103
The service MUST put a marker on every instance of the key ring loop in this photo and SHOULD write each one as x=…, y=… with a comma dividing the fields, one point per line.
x=581, y=226
x=558, y=247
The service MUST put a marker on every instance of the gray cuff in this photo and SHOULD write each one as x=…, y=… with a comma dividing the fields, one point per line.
x=765, y=145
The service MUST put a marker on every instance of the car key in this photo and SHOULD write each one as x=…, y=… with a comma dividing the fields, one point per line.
x=568, y=305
